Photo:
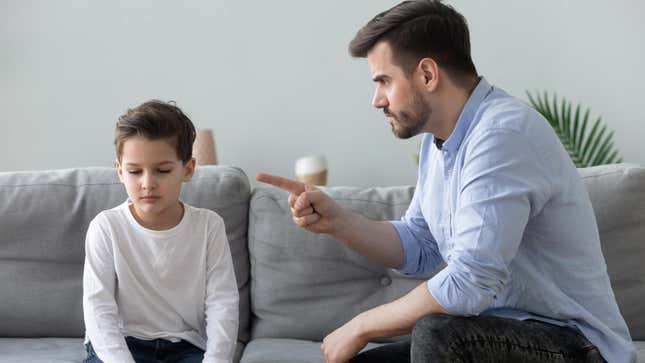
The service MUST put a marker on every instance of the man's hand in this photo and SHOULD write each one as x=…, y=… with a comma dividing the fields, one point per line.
x=312, y=209
x=393, y=319
x=344, y=343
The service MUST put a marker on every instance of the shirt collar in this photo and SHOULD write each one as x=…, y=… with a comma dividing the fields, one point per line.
x=480, y=92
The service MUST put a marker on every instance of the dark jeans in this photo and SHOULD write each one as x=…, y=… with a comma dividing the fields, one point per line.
x=155, y=351
x=444, y=338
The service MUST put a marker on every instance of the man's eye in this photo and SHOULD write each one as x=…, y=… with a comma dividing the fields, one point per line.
x=134, y=171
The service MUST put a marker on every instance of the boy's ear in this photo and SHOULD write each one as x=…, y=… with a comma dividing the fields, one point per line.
x=189, y=169
x=119, y=170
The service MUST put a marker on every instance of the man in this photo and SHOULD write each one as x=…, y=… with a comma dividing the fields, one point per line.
x=497, y=200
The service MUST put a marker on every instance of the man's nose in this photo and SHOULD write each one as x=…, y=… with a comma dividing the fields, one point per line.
x=379, y=100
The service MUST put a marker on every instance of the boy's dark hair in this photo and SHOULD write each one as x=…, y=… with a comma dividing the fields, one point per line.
x=417, y=29
x=156, y=120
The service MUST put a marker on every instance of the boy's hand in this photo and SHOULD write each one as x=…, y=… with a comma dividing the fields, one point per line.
x=312, y=209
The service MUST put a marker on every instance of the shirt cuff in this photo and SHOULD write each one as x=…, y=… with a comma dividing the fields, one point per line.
x=440, y=289
x=411, y=248
x=455, y=295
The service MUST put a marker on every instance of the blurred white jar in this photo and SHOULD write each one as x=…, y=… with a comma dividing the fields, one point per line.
x=312, y=170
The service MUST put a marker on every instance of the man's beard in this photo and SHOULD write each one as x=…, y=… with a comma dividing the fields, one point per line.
x=410, y=123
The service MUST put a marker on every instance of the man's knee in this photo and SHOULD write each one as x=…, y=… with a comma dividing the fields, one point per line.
x=431, y=337
x=431, y=325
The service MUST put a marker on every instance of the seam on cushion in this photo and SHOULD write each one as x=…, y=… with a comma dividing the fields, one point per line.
x=109, y=183
x=250, y=241
x=37, y=260
x=603, y=174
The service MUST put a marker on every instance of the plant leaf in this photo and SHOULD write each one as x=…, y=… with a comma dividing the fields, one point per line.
x=586, y=148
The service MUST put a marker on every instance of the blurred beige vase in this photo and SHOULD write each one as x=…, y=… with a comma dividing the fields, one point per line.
x=312, y=170
x=204, y=147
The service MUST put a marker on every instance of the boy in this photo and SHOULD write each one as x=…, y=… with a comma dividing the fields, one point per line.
x=158, y=282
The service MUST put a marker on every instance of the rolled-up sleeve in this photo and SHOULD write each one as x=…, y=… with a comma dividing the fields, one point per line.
x=502, y=184
x=420, y=251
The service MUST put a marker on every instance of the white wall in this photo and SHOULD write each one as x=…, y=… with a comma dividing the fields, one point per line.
x=273, y=78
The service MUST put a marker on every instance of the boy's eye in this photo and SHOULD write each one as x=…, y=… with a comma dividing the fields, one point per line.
x=134, y=171
x=165, y=171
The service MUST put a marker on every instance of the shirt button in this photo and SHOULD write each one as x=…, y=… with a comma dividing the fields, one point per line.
x=385, y=281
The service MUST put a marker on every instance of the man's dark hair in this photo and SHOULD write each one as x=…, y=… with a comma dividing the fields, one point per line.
x=418, y=29
x=156, y=120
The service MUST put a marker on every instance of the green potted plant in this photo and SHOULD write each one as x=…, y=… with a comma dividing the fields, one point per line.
x=587, y=147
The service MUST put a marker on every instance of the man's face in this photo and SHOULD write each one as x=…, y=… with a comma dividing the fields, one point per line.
x=152, y=174
x=400, y=98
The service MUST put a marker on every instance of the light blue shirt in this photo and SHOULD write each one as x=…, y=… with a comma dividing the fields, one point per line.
x=504, y=208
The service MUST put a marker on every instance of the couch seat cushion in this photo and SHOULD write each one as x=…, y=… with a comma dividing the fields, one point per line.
x=42, y=350
x=53, y=350
x=272, y=350
x=640, y=350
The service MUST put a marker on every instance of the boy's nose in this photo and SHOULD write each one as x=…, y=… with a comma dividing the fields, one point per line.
x=148, y=183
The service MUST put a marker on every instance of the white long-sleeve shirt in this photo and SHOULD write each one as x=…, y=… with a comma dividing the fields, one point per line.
x=175, y=284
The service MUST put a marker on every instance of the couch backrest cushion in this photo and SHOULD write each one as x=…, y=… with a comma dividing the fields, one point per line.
x=304, y=285
x=617, y=193
x=43, y=220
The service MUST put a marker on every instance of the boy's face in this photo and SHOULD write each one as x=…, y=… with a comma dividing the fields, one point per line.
x=152, y=175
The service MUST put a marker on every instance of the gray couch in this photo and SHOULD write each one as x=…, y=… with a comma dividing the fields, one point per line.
x=295, y=287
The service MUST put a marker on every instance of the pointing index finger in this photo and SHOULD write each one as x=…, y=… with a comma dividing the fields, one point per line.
x=292, y=186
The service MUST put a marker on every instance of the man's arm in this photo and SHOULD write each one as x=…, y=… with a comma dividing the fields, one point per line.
x=377, y=240
x=399, y=316
x=503, y=182
x=392, y=319
x=317, y=212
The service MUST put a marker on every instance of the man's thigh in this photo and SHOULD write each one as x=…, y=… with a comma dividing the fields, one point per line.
x=446, y=338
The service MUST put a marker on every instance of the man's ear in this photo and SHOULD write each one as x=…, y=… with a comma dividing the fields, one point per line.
x=119, y=171
x=189, y=169
x=429, y=73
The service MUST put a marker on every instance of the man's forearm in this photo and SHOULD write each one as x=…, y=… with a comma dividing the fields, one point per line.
x=398, y=317
x=377, y=240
